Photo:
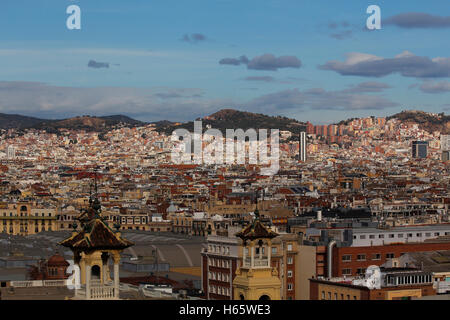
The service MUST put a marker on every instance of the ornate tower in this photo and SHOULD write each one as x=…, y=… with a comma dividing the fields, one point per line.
x=256, y=279
x=92, y=248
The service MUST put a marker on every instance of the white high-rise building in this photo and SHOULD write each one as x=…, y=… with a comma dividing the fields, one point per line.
x=445, y=142
x=445, y=147
x=302, y=147
x=11, y=152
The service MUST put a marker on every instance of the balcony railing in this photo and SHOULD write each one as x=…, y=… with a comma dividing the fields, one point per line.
x=102, y=292
x=39, y=283
x=442, y=286
x=97, y=292
x=257, y=263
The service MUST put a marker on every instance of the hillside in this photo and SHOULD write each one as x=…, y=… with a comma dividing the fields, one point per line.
x=234, y=119
x=88, y=123
x=426, y=121
x=14, y=121
x=222, y=120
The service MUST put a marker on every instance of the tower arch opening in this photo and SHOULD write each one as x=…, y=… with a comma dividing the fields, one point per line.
x=95, y=273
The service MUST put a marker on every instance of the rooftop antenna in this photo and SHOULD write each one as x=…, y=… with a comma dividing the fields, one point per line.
x=263, y=195
x=90, y=193
x=256, y=209
x=95, y=182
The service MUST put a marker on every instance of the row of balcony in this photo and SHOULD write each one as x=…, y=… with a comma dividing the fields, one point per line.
x=257, y=263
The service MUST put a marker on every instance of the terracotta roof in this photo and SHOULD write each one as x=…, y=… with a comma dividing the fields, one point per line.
x=57, y=260
x=96, y=235
x=256, y=230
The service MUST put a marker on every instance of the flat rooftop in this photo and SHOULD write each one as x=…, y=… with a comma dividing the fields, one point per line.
x=428, y=228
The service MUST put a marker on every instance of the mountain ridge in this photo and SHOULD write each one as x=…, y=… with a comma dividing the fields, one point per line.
x=86, y=122
x=235, y=119
x=222, y=120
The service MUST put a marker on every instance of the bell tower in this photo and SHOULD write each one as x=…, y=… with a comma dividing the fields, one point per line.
x=93, y=246
x=255, y=278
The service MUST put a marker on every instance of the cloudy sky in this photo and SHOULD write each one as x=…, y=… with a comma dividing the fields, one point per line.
x=179, y=60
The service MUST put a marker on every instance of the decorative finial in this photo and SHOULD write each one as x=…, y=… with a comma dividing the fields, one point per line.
x=90, y=193
x=95, y=182
x=256, y=209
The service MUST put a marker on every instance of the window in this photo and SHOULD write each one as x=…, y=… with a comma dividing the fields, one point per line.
x=391, y=235
x=372, y=236
x=274, y=250
x=409, y=235
x=290, y=287
x=348, y=297
x=390, y=255
x=289, y=247
x=289, y=273
x=329, y=295
x=347, y=272
x=376, y=256
x=381, y=236
x=323, y=295
x=346, y=258
x=363, y=236
x=428, y=234
x=361, y=271
x=361, y=257
x=289, y=260
x=342, y=296
x=335, y=296
x=437, y=234
x=418, y=234
x=400, y=235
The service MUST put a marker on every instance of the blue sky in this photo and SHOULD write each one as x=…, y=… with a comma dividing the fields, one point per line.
x=179, y=60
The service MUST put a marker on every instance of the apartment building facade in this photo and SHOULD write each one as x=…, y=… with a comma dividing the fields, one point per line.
x=26, y=218
x=224, y=256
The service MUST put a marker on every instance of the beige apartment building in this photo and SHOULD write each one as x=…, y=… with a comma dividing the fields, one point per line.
x=25, y=218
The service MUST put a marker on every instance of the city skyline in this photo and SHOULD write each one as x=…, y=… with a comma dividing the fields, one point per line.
x=159, y=61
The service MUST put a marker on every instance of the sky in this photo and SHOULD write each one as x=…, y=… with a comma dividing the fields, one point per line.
x=179, y=60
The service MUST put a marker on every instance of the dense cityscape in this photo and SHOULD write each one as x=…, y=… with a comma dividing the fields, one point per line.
x=224, y=159
x=357, y=211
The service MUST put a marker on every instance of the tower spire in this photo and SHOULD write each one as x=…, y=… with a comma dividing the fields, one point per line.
x=95, y=182
x=256, y=209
